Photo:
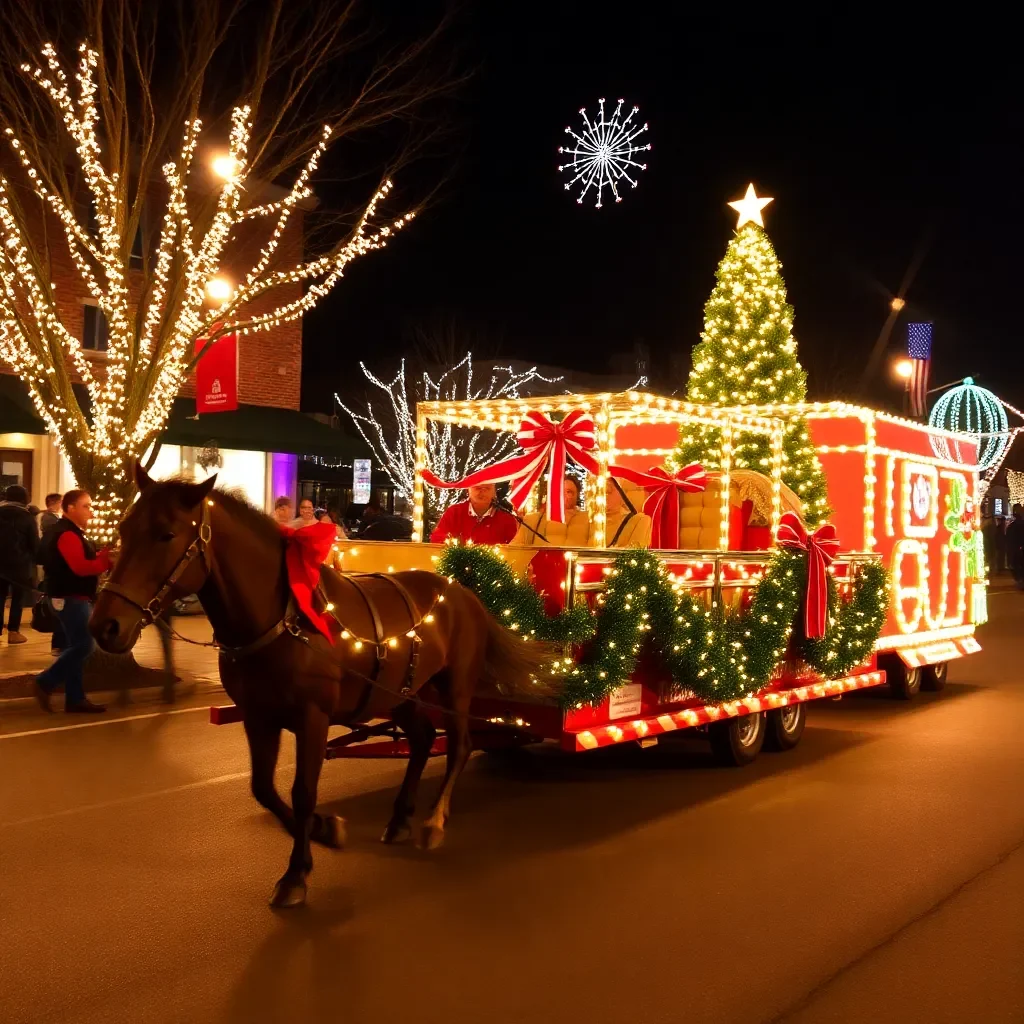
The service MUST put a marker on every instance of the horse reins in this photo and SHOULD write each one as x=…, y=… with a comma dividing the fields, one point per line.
x=152, y=609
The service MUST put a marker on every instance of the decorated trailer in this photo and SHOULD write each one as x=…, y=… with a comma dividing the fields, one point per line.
x=739, y=613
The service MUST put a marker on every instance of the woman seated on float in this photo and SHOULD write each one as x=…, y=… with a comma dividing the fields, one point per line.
x=624, y=527
x=538, y=531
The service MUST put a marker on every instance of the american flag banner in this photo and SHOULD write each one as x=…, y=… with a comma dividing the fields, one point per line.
x=919, y=348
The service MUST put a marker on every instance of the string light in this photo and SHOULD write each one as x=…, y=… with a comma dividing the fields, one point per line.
x=747, y=356
x=150, y=340
x=451, y=454
x=975, y=411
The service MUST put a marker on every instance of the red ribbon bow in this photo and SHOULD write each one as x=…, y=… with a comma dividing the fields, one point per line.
x=822, y=546
x=306, y=549
x=544, y=443
x=662, y=504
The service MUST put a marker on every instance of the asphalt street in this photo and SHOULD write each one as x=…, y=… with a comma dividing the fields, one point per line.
x=876, y=873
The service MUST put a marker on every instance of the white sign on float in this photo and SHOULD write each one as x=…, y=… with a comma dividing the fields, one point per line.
x=360, y=481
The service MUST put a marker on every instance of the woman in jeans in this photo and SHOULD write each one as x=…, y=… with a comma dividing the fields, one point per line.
x=72, y=569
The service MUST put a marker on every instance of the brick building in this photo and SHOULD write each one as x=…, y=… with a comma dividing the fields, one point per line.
x=257, y=446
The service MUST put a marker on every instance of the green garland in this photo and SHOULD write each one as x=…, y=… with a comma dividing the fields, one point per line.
x=512, y=601
x=715, y=654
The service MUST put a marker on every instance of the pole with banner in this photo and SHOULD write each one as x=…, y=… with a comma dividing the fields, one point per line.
x=361, y=476
x=217, y=375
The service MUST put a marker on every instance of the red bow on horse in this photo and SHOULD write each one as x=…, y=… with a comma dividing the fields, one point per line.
x=662, y=504
x=544, y=444
x=306, y=549
x=822, y=546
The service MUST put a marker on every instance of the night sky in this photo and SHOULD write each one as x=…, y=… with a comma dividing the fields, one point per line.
x=882, y=142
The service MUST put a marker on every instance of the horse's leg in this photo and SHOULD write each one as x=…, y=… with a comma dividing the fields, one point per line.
x=419, y=731
x=310, y=746
x=264, y=742
x=460, y=746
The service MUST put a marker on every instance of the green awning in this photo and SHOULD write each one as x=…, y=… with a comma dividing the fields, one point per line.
x=249, y=428
x=17, y=413
x=259, y=428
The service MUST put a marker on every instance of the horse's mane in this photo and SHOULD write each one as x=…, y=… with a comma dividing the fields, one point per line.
x=236, y=506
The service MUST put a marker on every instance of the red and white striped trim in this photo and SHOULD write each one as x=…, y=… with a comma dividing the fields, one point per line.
x=935, y=654
x=655, y=725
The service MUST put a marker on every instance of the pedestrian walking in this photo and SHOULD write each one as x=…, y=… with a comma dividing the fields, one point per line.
x=19, y=543
x=48, y=519
x=72, y=569
x=999, y=549
x=1015, y=545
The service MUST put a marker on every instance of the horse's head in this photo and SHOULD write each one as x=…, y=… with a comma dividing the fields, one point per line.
x=161, y=558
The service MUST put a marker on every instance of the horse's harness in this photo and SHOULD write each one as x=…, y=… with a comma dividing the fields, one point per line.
x=289, y=622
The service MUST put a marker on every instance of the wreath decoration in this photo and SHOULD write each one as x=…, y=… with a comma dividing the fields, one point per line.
x=714, y=653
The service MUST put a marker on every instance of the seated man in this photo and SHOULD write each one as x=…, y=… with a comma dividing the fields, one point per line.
x=624, y=528
x=538, y=531
x=477, y=519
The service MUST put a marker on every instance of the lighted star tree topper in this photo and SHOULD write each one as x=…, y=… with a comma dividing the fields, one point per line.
x=603, y=153
x=747, y=356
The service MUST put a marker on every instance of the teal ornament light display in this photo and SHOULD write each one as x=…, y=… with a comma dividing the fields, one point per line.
x=975, y=411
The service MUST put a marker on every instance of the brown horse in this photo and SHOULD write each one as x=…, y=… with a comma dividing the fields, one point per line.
x=401, y=641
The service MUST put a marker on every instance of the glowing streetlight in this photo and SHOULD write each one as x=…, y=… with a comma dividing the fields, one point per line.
x=219, y=289
x=897, y=304
x=903, y=368
x=225, y=166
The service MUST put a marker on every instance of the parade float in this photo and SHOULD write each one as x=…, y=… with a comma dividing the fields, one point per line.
x=799, y=550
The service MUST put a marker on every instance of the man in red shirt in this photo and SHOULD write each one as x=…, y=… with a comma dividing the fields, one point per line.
x=72, y=569
x=478, y=520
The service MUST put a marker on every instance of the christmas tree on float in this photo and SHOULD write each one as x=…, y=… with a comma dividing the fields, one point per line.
x=747, y=356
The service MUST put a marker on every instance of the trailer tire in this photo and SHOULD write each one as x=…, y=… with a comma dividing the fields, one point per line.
x=785, y=726
x=933, y=677
x=904, y=682
x=737, y=741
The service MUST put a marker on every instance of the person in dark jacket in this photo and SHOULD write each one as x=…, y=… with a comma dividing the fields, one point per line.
x=48, y=519
x=72, y=568
x=19, y=542
x=1015, y=546
x=50, y=516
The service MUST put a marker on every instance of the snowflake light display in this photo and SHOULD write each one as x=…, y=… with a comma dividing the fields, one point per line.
x=603, y=154
x=969, y=409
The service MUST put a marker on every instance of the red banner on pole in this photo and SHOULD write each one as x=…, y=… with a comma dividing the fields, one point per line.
x=217, y=375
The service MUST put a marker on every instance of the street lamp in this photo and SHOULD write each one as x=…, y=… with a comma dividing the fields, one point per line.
x=903, y=368
x=225, y=166
x=218, y=289
x=897, y=304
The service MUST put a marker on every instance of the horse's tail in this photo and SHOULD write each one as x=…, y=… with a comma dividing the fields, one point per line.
x=516, y=665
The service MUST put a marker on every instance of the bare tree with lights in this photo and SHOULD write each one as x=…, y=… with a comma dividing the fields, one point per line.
x=452, y=452
x=125, y=121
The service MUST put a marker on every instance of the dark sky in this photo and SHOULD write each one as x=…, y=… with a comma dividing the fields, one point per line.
x=880, y=140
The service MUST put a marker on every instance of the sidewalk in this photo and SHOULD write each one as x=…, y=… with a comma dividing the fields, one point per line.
x=19, y=664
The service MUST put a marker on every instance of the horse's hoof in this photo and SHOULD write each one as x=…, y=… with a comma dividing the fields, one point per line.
x=431, y=838
x=329, y=830
x=289, y=892
x=396, y=832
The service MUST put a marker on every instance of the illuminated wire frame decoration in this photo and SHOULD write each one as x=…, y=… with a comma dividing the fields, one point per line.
x=602, y=154
x=1015, y=483
x=975, y=411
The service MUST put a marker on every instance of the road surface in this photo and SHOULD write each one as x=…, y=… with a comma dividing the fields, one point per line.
x=875, y=874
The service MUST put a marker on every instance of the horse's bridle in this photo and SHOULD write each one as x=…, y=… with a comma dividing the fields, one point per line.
x=153, y=609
